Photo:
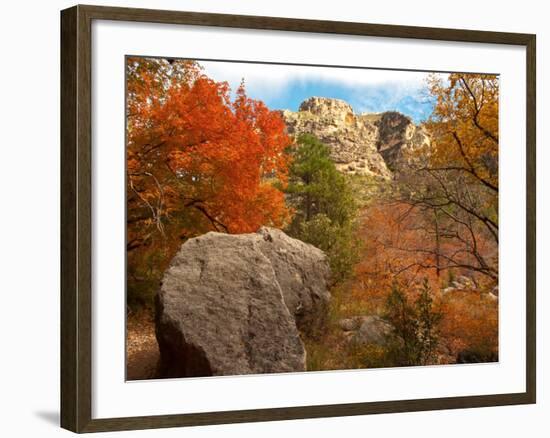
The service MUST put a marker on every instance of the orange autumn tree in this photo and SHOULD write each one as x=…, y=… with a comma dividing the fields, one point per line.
x=464, y=126
x=197, y=161
x=439, y=220
x=449, y=222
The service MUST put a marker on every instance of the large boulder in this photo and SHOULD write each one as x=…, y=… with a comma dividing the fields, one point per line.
x=229, y=304
x=303, y=273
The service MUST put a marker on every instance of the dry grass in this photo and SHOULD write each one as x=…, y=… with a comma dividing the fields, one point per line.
x=470, y=322
x=334, y=350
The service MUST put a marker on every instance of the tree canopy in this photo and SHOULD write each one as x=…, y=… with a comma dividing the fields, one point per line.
x=443, y=215
x=197, y=160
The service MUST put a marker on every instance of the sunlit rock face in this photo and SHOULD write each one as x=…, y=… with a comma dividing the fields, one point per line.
x=363, y=144
x=401, y=143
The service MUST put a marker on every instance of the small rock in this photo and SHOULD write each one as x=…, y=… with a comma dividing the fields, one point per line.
x=350, y=324
x=463, y=282
x=373, y=330
x=448, y=289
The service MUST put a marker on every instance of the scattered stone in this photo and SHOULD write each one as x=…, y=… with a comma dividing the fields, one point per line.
x=365, y=330
x=463, y=282
x=350, y=324
x=373, y=330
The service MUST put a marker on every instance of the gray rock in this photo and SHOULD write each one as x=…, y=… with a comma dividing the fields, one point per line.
x=364, y=330
x=223, y=307
x=460, y=284
x=463, y=282
x=303, y=273
x=373, y=330
x=350, y=324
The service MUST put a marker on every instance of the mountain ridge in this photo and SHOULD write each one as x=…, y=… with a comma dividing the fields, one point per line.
x=375, y=144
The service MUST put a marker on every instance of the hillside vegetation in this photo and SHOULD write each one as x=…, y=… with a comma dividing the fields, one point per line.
x=406, y=214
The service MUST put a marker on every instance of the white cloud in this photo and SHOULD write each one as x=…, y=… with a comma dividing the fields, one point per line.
x=367, y=90
x=271, y=79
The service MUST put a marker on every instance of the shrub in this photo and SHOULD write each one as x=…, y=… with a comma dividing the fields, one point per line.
x=336, y=240
x=416, y=327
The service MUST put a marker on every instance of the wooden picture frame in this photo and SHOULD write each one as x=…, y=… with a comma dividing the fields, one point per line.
x=76, y=217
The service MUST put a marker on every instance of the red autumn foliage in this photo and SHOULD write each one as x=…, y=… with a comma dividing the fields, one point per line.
x=197, y=160
x=398, y=246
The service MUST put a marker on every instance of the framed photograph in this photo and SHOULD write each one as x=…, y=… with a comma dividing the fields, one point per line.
x=270, y=218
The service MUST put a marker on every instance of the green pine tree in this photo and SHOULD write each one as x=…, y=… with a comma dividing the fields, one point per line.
x=324, y=203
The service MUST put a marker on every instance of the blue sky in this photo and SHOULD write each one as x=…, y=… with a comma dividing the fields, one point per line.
x=366, y=90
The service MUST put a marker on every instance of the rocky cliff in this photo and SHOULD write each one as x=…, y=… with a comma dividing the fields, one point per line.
x=364, y=144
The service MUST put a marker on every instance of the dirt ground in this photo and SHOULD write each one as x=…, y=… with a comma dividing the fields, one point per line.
x=142, y=351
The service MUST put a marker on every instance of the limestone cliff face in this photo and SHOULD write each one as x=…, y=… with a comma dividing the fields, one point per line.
x=401, y=143
x=364, y=144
